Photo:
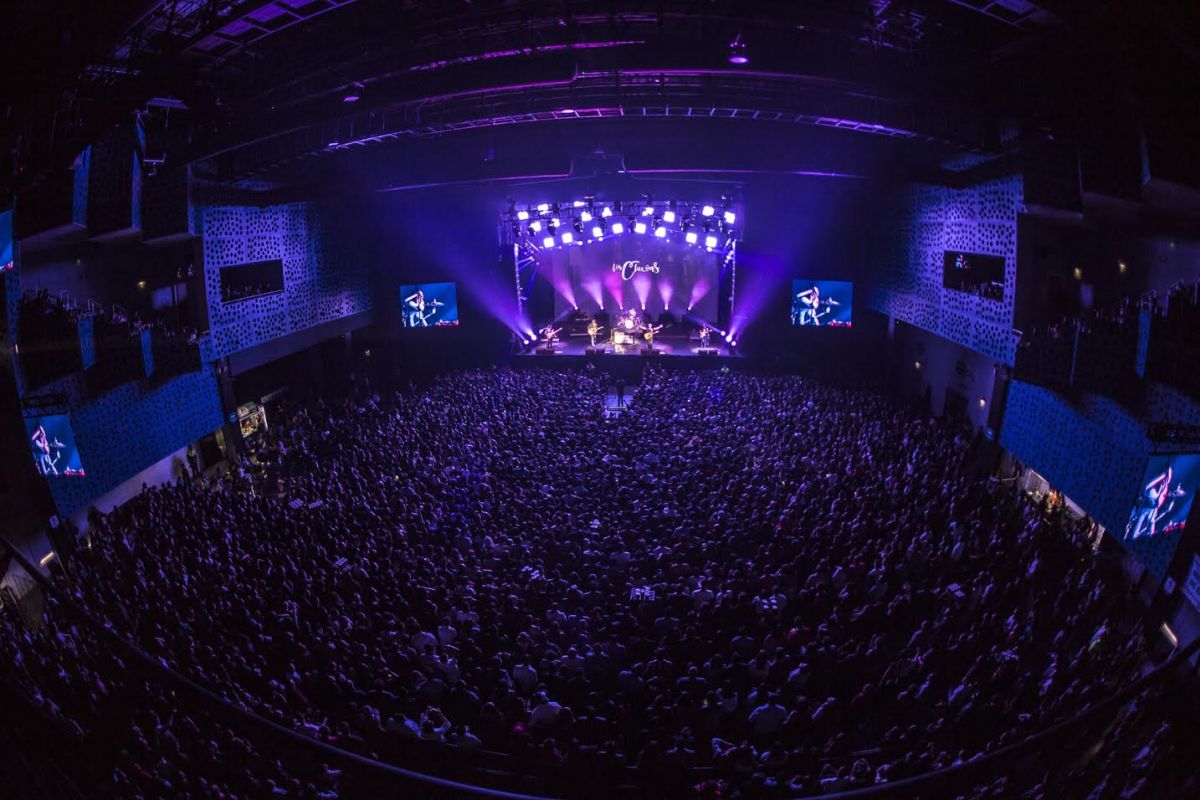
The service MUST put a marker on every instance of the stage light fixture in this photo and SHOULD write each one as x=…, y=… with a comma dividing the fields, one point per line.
x=567, y=238
x=661, y=233
x=737, y=51
x=691, y=237
x=730, y=217
x=647, y=211
x=639, y=227
x=543, y=208
x=535, y=226
x=522, y=215
x=607, y=212
x=586, y=216
x=708, y=211
x=548, y=242
x=669, y=217
x=554, y=222
x=597, y=231
x=578, y=204
x=710, y=242
x=618, y=227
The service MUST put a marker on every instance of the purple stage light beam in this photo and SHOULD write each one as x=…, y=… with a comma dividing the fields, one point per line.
x=641, y=287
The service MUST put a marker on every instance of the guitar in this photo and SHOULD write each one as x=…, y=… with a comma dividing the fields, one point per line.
x=650, y=331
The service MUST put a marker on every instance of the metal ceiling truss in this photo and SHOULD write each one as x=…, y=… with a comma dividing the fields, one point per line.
x=698, y=95
x=203, y=31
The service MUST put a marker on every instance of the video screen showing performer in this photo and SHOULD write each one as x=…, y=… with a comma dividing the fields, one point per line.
x=822, y=304
x=52, y=443
x=429, y=305
x=1165, y=499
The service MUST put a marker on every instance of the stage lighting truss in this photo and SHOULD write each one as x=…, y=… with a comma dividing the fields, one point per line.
x=714, y=226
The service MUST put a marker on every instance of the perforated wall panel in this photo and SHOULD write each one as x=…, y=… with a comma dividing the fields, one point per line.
x=133, y=426
x=929, y=220
x=1095, y=453
x=322, y=281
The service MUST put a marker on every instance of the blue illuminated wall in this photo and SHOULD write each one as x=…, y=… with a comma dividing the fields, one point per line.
x=924, y=222
x=132, y=427
x=324, y=276
x=1093, y=452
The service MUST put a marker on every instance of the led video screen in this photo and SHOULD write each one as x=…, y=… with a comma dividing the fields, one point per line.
x=1165, y=498
x=818, y=304
x=974, y=274
x=52, y=443
x=429, y=305
x=243, y=281
x=635, y=271
x=6, y=242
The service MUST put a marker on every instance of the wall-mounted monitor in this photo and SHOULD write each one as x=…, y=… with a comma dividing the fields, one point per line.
x=817, y=304
x=973, y=273
x=244, y=281
x=429, y=305
x=1165, y=497
x=52, y=443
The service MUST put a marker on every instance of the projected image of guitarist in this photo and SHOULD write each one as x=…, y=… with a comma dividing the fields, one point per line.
x=806, y=308
x=46, y=453
x=417, y=316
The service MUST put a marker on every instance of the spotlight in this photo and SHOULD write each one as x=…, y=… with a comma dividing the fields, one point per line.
x=691, y=237
x=554, y=223
x=708, y=211
x=548, y=242
x=618, y=227
x=567, y=238
x=710, y=242
x=737, y=51
x=543, y=208
x=522, y=215
x=730, y=217
x=535, y=226
x=647, y=211
x=661, y=233
x=639, y=227
x=586, y=216
x=668, y=217
x=734, y=343
x=577, y=204
x=597, y=231
x=607, y=212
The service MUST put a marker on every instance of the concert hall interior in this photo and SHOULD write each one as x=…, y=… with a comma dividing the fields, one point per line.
x=599, y=399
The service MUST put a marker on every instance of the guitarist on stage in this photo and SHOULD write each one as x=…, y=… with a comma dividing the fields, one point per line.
x=550, y=334
x=593, y=330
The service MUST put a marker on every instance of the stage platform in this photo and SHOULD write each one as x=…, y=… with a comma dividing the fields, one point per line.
x=664, y=348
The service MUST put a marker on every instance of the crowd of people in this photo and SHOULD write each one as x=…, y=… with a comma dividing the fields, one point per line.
x=738, y=584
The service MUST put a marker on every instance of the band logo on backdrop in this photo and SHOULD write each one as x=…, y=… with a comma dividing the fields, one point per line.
x=631, y=268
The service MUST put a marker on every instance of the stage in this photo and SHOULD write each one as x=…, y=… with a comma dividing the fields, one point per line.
x=669, y=347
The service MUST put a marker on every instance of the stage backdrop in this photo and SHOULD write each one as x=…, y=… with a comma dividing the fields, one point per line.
x=634, y=270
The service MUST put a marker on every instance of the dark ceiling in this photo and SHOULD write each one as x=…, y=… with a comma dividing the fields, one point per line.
x=260, y=91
